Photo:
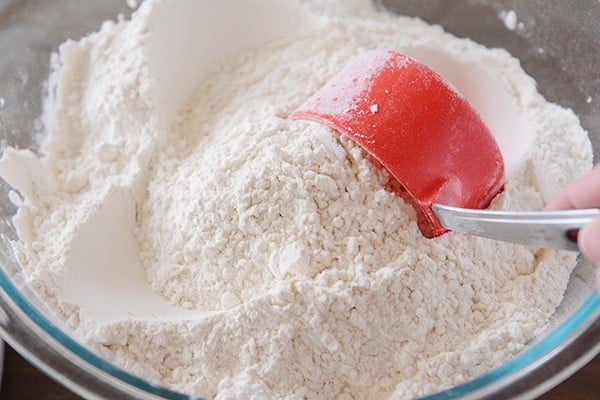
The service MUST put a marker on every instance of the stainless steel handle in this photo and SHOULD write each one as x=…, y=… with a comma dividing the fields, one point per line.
x=549, y=229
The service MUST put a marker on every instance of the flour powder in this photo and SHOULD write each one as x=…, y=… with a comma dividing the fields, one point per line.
x=294, y=272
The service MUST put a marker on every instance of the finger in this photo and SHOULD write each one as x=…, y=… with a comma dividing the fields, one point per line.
x=589, y=243
x=560, y=202
x=581, y=193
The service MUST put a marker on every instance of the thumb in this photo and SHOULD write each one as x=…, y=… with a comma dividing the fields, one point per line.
x=589, y=243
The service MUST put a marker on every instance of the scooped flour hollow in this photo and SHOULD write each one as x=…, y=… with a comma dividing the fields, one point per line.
x=181, y=227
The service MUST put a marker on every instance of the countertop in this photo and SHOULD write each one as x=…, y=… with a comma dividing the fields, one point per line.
x=22, y=381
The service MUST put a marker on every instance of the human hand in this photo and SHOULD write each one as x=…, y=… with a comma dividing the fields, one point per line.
x=584, y=193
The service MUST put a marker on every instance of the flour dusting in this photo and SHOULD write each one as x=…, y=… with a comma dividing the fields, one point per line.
x=228, y=252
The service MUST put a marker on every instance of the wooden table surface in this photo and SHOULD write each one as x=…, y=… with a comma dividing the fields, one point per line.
x=22, y=381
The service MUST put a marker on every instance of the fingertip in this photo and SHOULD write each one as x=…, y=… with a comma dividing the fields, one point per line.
x=564, y=199
x=560, y=202
x=589, y=241
x=583, y=192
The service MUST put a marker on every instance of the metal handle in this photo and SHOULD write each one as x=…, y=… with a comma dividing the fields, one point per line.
x=549, y=229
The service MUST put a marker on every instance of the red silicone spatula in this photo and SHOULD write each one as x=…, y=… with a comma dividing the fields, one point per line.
x=418, y=127
x=443, y=159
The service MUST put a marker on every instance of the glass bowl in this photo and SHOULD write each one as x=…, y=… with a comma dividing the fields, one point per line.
x=558, y=43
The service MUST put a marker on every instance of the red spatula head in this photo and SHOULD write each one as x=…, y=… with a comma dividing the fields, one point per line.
x=433, y=143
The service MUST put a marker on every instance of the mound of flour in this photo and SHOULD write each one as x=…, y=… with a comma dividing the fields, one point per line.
x=299, y=275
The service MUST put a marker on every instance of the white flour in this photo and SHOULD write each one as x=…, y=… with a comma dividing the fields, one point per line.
x=289, y=271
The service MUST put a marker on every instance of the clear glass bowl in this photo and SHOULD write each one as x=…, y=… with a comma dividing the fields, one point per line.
x=558, y=43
